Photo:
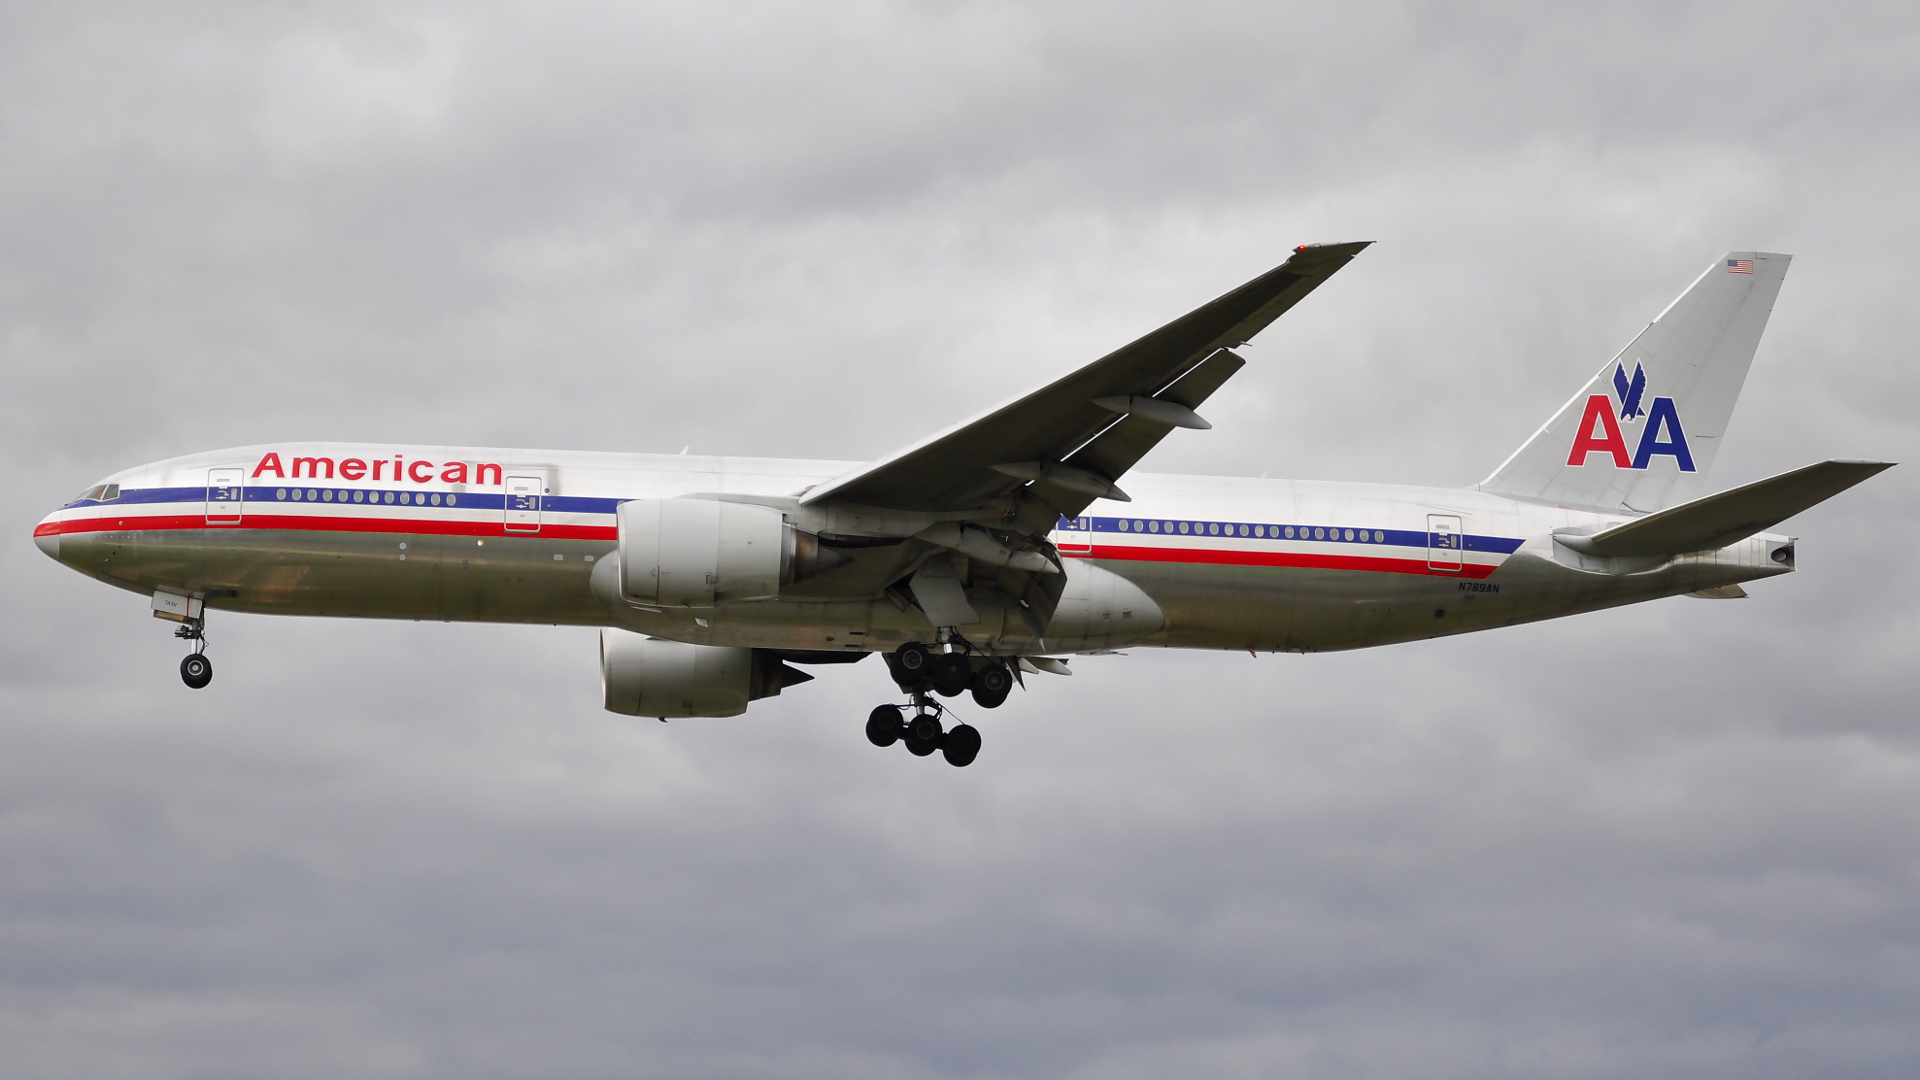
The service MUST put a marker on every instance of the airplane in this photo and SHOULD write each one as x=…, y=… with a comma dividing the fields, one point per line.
x=992, y=550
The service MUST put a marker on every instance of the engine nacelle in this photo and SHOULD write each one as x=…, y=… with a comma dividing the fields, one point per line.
x=701, y=553
x=643, y=676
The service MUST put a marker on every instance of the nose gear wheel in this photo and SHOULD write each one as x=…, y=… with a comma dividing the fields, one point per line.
x=196, y=670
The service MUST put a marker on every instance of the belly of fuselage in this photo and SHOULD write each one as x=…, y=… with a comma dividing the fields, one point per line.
x=538, y=579
x=349, y=574
x=1312, y=609
x=1278, y=608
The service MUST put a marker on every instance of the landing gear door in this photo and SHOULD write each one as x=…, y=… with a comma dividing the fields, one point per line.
x=226, y=495
x=523, y=503
x=1074, y=536
x=1446, y=544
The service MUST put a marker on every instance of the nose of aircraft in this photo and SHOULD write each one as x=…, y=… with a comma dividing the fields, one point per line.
x=46, y=536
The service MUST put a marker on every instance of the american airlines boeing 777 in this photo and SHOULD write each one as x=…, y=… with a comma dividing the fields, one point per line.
x=993, y=549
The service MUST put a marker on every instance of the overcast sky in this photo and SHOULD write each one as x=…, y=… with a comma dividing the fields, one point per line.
x=1678, y=839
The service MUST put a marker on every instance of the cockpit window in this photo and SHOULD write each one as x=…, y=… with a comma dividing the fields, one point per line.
x=100, y=493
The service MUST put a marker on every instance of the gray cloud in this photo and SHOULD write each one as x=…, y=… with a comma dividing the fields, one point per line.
x=1672, y=839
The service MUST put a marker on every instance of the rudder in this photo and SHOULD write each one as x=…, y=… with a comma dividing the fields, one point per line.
x=1643, y=433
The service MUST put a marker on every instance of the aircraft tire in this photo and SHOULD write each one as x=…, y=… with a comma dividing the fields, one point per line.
x=924, y=735
x=951, y=674
x=991, y=685
x=915, y=659
x=884, y=726
x=961, y=746
x=196, y=670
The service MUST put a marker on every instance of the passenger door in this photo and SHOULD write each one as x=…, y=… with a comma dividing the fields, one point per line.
x=1446, y=543
x=523, y=503
x=1074, y=536
x=226, y=495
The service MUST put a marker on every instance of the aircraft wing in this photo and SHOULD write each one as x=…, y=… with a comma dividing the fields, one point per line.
x=1075, y=436
x=1729, y=516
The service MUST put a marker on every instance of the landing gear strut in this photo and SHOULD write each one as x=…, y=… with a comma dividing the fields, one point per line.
x=196, y=670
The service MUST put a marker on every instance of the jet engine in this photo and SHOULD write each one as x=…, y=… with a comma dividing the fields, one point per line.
x=699, y=552
x=643, y=676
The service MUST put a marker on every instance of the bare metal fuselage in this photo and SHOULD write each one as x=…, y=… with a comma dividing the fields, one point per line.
x=1228, y=563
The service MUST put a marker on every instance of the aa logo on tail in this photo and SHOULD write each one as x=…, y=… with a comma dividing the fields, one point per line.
x=1600, y=431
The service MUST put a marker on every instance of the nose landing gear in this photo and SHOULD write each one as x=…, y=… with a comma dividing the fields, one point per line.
x=196, y=670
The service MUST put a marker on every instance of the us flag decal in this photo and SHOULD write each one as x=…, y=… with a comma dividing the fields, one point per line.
x=1739, y=266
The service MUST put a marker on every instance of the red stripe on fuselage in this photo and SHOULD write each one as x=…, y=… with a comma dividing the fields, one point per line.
x=305, y=523
x=1378, y=564
x=425, y=526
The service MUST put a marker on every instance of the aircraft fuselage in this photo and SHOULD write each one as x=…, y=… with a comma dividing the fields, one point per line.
x=493, y=535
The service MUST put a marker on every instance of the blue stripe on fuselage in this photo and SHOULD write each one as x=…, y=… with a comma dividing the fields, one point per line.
x=1199, y=529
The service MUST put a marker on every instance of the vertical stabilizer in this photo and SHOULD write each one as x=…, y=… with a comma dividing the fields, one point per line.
x=1643, y=433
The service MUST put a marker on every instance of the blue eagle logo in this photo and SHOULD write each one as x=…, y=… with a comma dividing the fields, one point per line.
x=1630, y=392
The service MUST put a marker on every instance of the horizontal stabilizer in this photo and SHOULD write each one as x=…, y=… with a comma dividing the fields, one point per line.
x=1728, y=517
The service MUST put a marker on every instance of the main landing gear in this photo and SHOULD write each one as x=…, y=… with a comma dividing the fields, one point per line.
x=887, y=724
x=922, y=673
x=196, y=670
x=917, y=668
